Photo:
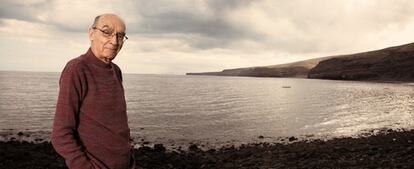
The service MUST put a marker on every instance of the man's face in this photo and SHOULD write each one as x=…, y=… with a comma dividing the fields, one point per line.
x=107, y=37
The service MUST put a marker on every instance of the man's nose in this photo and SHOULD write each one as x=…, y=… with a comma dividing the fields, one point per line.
x=114, y=39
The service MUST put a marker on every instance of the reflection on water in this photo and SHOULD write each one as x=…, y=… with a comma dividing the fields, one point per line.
x=170, y=108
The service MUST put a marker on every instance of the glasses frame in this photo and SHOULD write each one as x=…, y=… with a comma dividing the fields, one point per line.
x=112, y=34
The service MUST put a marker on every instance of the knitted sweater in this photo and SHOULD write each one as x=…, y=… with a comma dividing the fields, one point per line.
x=90, y=128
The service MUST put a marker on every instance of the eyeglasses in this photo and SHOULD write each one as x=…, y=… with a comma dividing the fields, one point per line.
x=120, y=37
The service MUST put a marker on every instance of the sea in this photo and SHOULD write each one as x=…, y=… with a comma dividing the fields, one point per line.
x=212, y=111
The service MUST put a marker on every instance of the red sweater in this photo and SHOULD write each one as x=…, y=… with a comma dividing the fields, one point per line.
x=90, y=128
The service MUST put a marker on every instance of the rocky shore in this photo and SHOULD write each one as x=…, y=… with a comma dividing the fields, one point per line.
x=388, y=149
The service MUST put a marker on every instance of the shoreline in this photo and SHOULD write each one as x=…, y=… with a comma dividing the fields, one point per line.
x=37, y=137
x=388, y=149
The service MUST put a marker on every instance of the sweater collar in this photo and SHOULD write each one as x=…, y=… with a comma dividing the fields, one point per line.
x=91, y=58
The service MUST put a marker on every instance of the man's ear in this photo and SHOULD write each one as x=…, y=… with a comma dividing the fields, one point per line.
x=90, y=33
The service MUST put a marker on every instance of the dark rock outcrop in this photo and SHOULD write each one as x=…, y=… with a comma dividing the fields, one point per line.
x=389, y=64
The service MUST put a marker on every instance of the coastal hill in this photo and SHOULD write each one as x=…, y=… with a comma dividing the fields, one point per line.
x=298, y=69
x=393, y=64
x=389, y=64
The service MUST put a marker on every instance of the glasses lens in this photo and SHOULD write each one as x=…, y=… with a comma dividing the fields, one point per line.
x=121, y=37
x=110, y=34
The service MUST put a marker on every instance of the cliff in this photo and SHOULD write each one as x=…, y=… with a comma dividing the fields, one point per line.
x=295, y=69
x=389, y=64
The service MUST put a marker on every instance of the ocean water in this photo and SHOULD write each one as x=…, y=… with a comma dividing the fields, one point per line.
x=211, y=110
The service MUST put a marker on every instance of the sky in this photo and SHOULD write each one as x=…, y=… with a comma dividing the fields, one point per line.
x=179, y=36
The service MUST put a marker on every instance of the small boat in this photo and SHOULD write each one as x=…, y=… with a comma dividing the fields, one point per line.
x=285, y=86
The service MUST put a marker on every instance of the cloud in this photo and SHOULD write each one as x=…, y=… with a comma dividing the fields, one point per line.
x=317, y=26
x=184, y=35
x=205, y=19
x=71, y=16
x=23, y=10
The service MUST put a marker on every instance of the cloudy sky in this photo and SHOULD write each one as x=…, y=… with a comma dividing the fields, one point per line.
x=179, y=36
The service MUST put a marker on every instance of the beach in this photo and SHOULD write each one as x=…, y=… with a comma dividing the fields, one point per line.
x=387, y=149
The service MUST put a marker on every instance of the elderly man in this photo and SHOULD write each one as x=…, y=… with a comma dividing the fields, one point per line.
x=90, y=128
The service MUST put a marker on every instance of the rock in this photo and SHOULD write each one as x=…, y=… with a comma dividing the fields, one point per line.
x=20, y=133
x=211, y=150
x=193, y=147
x=228, y=165
x=38, y=139
x=159, y=147
x=292, y=138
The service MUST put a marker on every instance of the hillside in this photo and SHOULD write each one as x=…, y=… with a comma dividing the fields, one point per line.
x=389, y=64
x=295, y=69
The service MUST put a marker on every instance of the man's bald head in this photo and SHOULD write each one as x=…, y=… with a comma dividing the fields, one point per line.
x=107, y=35
x=97, y=18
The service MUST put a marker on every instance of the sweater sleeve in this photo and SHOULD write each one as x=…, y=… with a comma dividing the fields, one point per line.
x=64, y=136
